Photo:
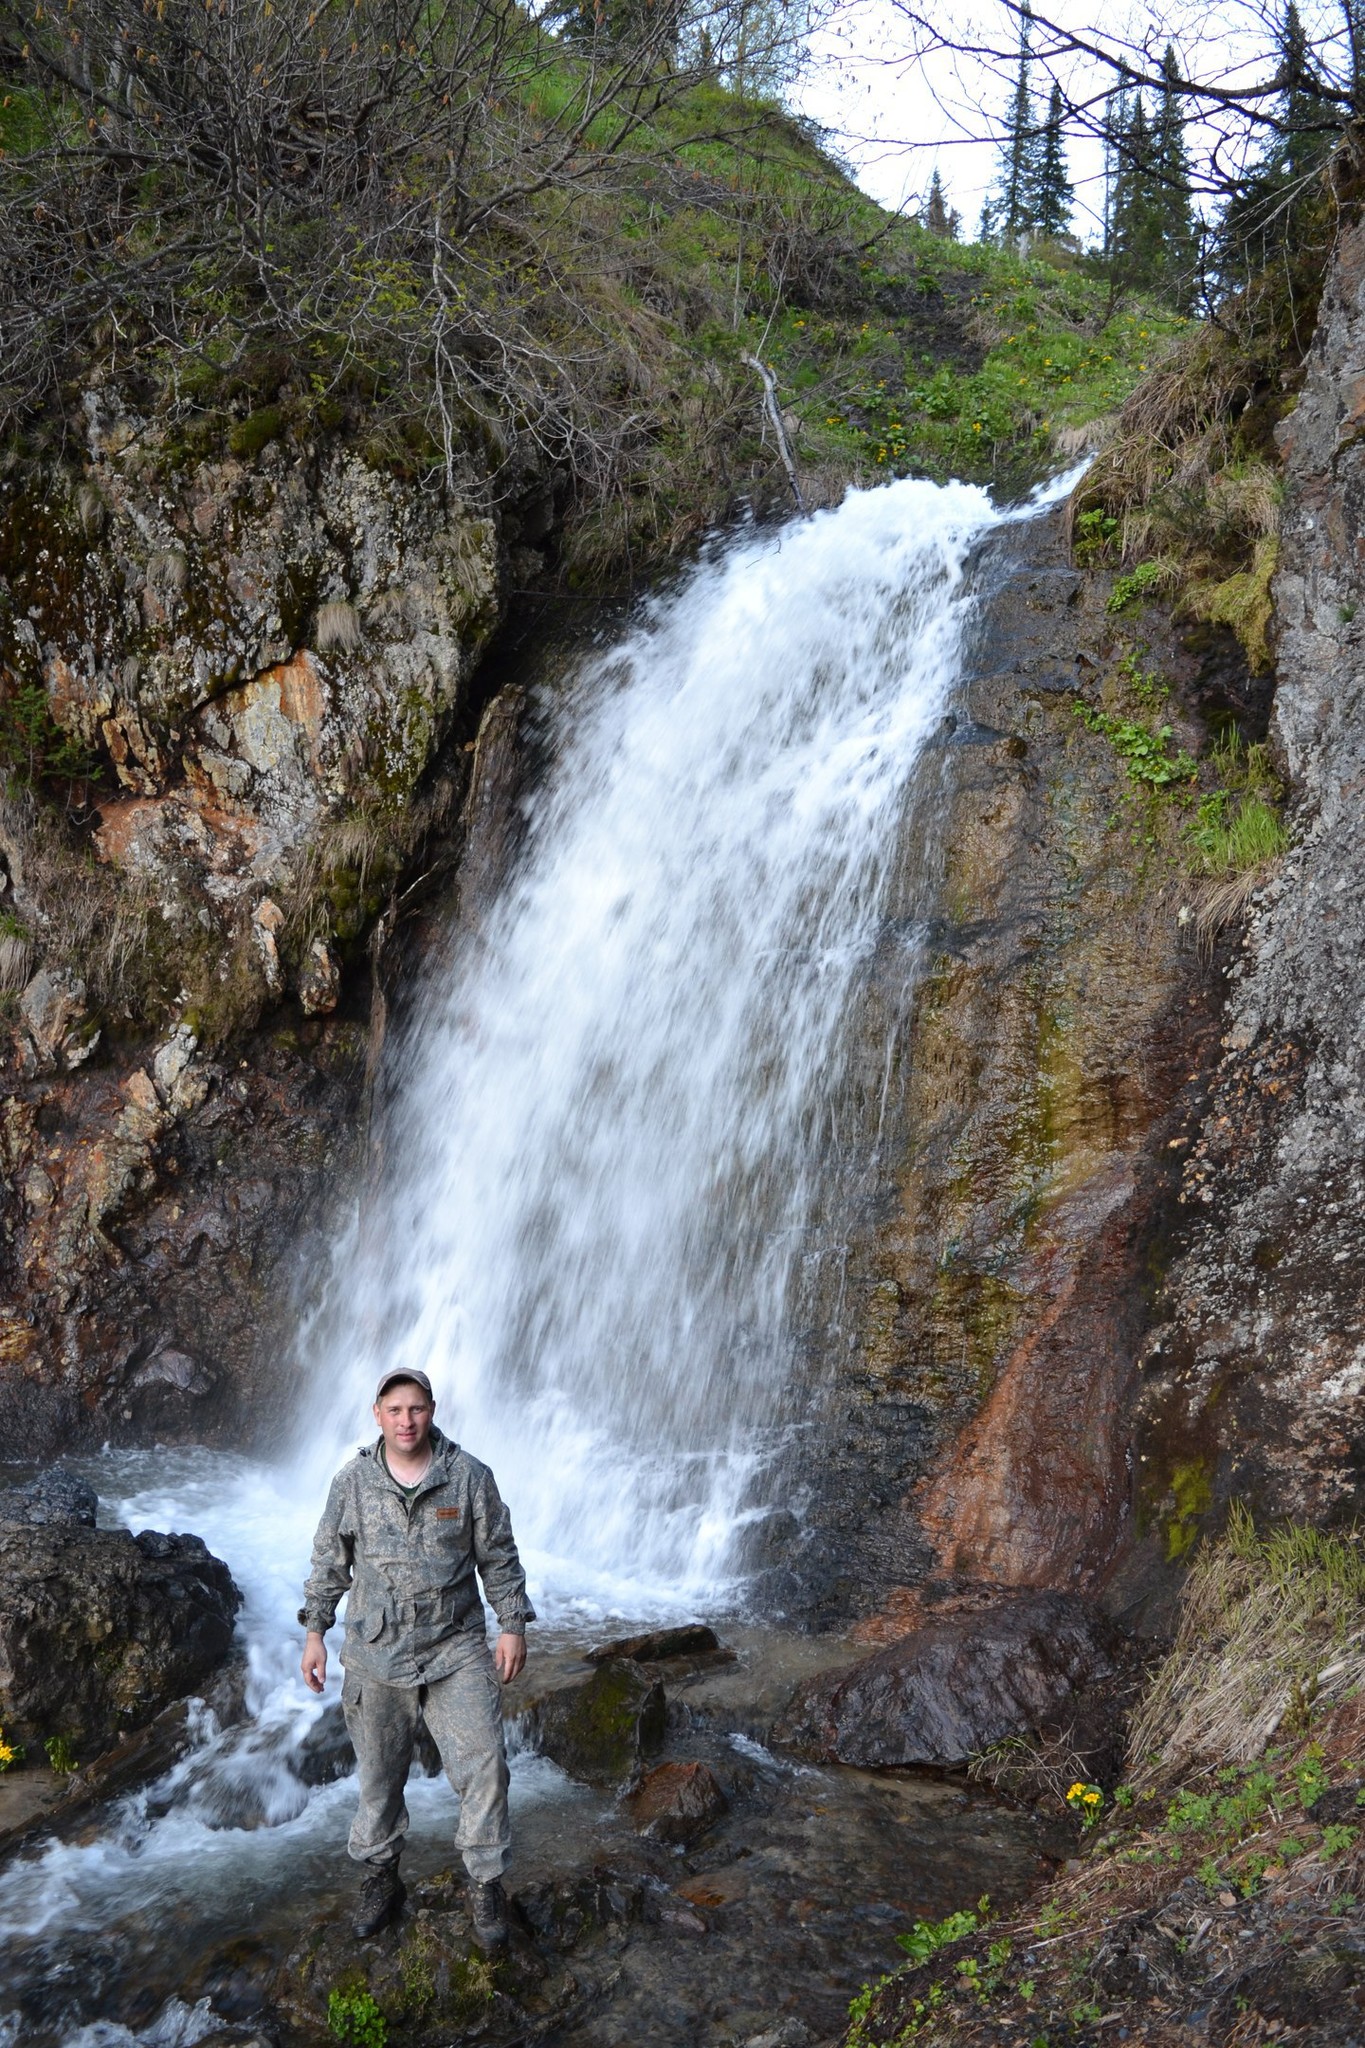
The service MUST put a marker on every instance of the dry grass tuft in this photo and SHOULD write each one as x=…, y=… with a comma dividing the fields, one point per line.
x=168, y=571
x=338, y=626
x=1270, y=1626
x=16, y=962
x=1222, y=904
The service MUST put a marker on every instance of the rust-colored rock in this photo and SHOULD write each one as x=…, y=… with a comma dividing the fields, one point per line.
x=678, y=1802
x=1033, y=1035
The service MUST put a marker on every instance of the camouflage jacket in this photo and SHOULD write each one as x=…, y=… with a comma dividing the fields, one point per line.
x=408, y=1566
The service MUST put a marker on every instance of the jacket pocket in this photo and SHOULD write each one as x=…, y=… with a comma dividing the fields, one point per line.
x=369, y=1627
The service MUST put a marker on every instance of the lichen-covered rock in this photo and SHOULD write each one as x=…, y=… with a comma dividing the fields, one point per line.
x=53, y=1012
x=948, y=1691
x=319, y=979
x=157, y=1230
x=255, y=646
x=1254, y=1376
x=100, y=1629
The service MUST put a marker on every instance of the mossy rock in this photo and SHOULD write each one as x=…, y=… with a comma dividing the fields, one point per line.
x=257, y=430
x=602, y=1730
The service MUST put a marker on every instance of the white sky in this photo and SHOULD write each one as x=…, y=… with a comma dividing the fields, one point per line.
x=895, y=117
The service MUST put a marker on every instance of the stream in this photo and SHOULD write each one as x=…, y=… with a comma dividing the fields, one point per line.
x=604, y=1213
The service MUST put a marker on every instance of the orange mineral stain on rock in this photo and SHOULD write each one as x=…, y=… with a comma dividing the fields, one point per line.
x=1033, y=1491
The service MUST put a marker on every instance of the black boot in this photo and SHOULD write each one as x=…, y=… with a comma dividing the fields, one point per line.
x=488, y=1905
x=381, y=1900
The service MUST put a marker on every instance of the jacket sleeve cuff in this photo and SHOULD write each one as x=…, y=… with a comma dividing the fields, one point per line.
x=514, y=1624
x=316, y=1620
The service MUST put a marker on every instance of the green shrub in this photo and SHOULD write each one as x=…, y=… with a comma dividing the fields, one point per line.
x=1137, y=584
x=354, y=2017
x=1144, y=753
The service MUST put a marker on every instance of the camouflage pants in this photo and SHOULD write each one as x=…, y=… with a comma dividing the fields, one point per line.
x=464, y=1715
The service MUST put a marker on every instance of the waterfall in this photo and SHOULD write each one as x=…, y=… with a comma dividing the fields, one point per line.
x=611, y=1114
x=609, y=1144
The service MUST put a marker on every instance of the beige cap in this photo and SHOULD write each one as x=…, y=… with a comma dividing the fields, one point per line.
x=404, y=1372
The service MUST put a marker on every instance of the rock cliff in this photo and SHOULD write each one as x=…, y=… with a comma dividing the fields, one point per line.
x=1254, y=1374
x=1035, y=1037
x=255, y=668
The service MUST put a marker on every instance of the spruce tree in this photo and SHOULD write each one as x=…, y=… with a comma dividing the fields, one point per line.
x=936, y=215
x=1173, y=272
x=1112, y=134
x=1138, y=227
x=1276, y=215
x=1013, y=203
x=1052, y=197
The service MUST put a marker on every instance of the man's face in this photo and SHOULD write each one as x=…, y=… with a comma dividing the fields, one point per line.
x=404, y=1414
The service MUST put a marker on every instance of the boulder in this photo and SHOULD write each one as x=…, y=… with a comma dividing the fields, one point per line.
x=55, y=1496
x=948, y=1691
x=693, y=1639
x=99, y=1629
x=677, y=1802
x=600, y=1731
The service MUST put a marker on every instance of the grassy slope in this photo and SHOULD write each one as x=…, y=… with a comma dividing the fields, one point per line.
x=727, y=229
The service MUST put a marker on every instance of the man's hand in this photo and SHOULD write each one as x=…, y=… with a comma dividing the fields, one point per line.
x=508, y=1658
x=314, y=1665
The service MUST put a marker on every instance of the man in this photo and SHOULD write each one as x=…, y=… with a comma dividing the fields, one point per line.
x=407, y=1522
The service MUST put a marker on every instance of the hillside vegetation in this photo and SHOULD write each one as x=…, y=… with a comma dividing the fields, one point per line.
x=473, y=246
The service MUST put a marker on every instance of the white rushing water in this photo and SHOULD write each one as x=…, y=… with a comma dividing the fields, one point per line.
x=604, y=1157
x=607, y=1140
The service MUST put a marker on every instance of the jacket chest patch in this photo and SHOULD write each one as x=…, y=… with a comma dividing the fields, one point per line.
x=447, y=1514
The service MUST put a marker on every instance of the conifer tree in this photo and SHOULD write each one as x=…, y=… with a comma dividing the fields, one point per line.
x=1138, y=218
x=1052, y=197
x=1267, y=218
x=936, y=215
x=1173, y=271
x=1115, y=126
x=1013, y=203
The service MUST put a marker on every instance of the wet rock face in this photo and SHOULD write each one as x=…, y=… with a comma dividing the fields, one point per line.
x=948, y=1691
x=1254, y=1384
x=159, y=1230
x=55, y=1497
x=100, y=1629
x=1031, y=1043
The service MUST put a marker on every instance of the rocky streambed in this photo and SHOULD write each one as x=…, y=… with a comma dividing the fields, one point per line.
x=692, y=1865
